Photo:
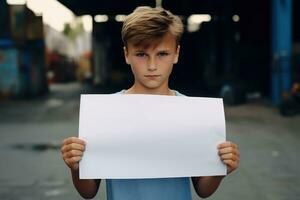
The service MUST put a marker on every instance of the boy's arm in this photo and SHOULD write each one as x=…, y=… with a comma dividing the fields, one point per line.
x=72, y=151
x=207, y=185
x=87, y=188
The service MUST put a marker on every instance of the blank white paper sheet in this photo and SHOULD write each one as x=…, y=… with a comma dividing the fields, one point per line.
x=150, y=136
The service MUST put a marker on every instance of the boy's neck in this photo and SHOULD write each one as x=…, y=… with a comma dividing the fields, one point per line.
x=156, y=91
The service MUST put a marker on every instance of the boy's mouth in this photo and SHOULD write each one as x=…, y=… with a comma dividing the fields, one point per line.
x=152, y=76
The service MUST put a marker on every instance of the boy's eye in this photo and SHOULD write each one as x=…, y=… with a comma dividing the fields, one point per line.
x=140, y=54
x=162, y=54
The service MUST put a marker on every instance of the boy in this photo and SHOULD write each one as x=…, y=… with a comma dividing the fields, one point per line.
x=151, y=46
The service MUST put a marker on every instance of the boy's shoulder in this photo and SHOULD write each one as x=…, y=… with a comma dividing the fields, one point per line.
x=120, y=92
x=178, y=93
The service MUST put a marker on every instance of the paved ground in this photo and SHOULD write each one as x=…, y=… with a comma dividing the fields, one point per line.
x=31, y=167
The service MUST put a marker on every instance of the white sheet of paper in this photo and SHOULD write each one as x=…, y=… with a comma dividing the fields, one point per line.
x=150, y=136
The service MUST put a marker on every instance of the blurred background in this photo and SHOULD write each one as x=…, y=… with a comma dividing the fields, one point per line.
x=246, y=52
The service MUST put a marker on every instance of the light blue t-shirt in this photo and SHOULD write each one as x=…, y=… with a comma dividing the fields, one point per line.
x=149, y=189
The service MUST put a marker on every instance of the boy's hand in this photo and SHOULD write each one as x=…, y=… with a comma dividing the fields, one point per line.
x=72, y=149
x=230, y=155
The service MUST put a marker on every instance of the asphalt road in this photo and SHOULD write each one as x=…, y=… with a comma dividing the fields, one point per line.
x=31, y=167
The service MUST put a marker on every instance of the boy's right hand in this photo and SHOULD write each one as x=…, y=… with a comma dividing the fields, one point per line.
x=72, y=149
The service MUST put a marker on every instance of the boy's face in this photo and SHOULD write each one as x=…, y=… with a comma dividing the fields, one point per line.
x=153, y=65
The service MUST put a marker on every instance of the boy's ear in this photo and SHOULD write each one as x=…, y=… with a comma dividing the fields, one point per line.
x=177, y=54
x=126, y=55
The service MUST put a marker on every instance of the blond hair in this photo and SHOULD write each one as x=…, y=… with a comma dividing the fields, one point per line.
x=146, y=24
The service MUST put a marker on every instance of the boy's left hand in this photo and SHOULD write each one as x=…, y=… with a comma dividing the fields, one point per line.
x=230, y=155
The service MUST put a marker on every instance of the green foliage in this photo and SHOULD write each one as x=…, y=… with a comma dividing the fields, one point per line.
x=72, y=30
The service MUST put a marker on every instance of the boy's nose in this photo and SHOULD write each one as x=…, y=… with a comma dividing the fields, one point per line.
x=152, y=65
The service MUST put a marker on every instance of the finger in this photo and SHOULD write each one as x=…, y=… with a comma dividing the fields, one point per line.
x=228, y=150
x=232, y=164
x=227, y=144
x=73, y=160
x=67, y=140
x=72, y=146
x=71, y=140
x=72, y=153
x=229, y=156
